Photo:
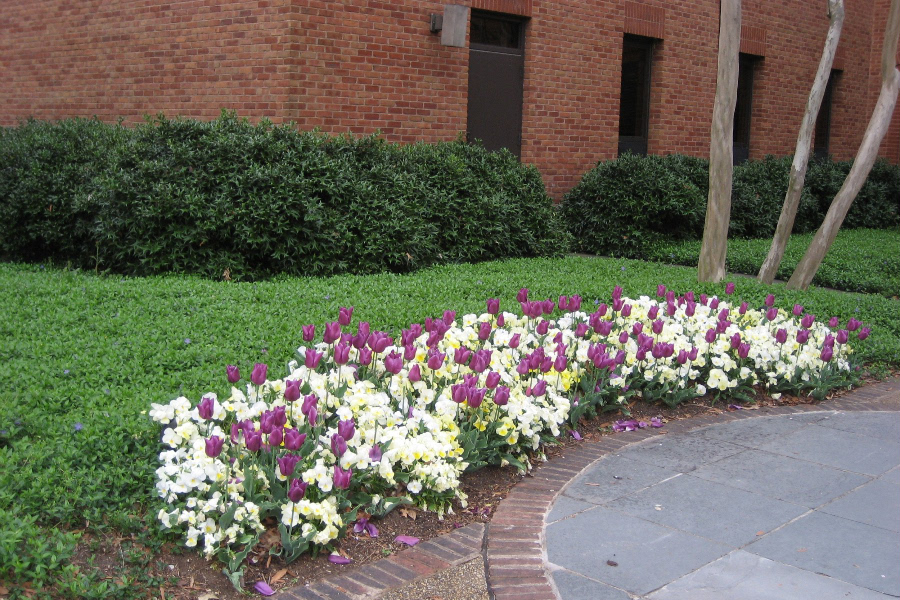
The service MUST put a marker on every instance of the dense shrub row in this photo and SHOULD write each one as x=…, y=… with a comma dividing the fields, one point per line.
x=202, y=197
x=625, y=206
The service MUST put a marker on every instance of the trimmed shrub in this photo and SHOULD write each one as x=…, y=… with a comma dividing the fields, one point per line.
x=624, y=206
x=259, y=200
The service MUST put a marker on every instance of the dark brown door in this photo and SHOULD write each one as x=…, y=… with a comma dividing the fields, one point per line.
x=496, y=77
x=634, y=96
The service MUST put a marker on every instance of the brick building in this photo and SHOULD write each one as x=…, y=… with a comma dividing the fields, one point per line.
x=564, y=83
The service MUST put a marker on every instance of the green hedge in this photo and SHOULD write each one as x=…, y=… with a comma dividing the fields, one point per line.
x=201, y=197
x=626, y=206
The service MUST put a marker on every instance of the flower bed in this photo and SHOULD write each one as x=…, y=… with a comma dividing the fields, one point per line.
x=363, y=422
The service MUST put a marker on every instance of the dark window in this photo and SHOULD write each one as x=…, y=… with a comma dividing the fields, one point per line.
x=634, y=95
x=488, y=30
x=743, y=108
x=496, y=81
x=823, y=122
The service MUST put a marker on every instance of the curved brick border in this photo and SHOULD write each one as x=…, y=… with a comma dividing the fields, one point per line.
x=515, y=534
x=514, y=538
x=374, y=579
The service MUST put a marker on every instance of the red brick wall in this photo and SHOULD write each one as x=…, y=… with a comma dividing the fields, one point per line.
x=890, y=146
x=359, y=66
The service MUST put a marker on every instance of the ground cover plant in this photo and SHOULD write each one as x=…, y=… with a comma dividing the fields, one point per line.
x=83, y=356
x=860, y=260
x=228, y=198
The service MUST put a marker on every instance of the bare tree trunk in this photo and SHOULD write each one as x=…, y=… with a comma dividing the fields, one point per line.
x=721, y=151
x=804, y=141
x=865, y=157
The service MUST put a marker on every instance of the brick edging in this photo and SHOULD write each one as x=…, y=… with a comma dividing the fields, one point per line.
x=374, y=579
x=515, y=535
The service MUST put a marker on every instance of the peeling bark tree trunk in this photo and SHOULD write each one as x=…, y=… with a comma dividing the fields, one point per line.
x=804, y=141
x=865, y=157
x=718, y=207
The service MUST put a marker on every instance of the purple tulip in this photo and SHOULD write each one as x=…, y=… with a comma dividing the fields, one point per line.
x=492, y=380
x=309, y=332
x=267, y=422
x=729, y=288
x=235, y=433
x=276, y=437
x=833, y=322
x=539, y=389
x=736, y=340
x=461, y=355
x=560, y=363
x=415, y=373
x=393, y=363
x=484, y=331
x=626, y=310
x=770, y=300
x=375, y=453
x=714, y=304
x=279, y=416
x=703, y=299
x=721, y=326
x=581, y=330
x=459, y=393
x=523, y=368
x=601, y=310
x=797, y=310
x=692, y=355
x=604, y=328
x=449, y=317
x=292, y=390
x=623, y=337
x=546, y=364
x=480, y=361
x=636, y=330
x=743, y=309
x=617, y=304
x=365, y=356
x=476, y=397
x=842, y=336
x=543, y=327
x=617, y=292
x=501, y=396
x=807, y=320
x=744, y=350
x=342, y=477
x=338, y=445
x=309, y=402
x=853, y=324
x=863, y=333
x=690, y=308
x=657, y=326
x=689, y=296
x=781, y=335
x=670, y=296
x=493, y=306
x=253, y=440
x=710, y=336
x=312, y=416
x=548, y=306
x=233, y=374
x=827, y=353
x=342, y=354
x=258, y=376
x=312, y=358
x=563, y=303
x=575, y=303
x=287, y=464
x=332, y=332
x=297, y=490
x=206, y=408
x=501, y=321
x=214, y=446
x=522, y=296
x=435, y=360
x=293, y=439
x=772, y=313
x=660, y=290
x=379, y=341
x=829, y=341
x=346, y=429
x=653, y=312
x=802, y=336
x=682, y=357
x=671, y=309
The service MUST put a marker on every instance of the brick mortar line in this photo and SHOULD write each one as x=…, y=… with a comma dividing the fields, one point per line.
x=883, y=396
x=507, y=548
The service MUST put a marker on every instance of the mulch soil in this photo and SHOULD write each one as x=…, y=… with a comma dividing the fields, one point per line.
x=189, y=575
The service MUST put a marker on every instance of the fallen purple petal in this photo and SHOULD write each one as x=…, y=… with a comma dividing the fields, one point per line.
x=338, y=559
x=263, y=588
x=576, y=435
x=407, y=539
x=656, y=422
x=372, y=530
x=641, y=424
x=735, y=407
